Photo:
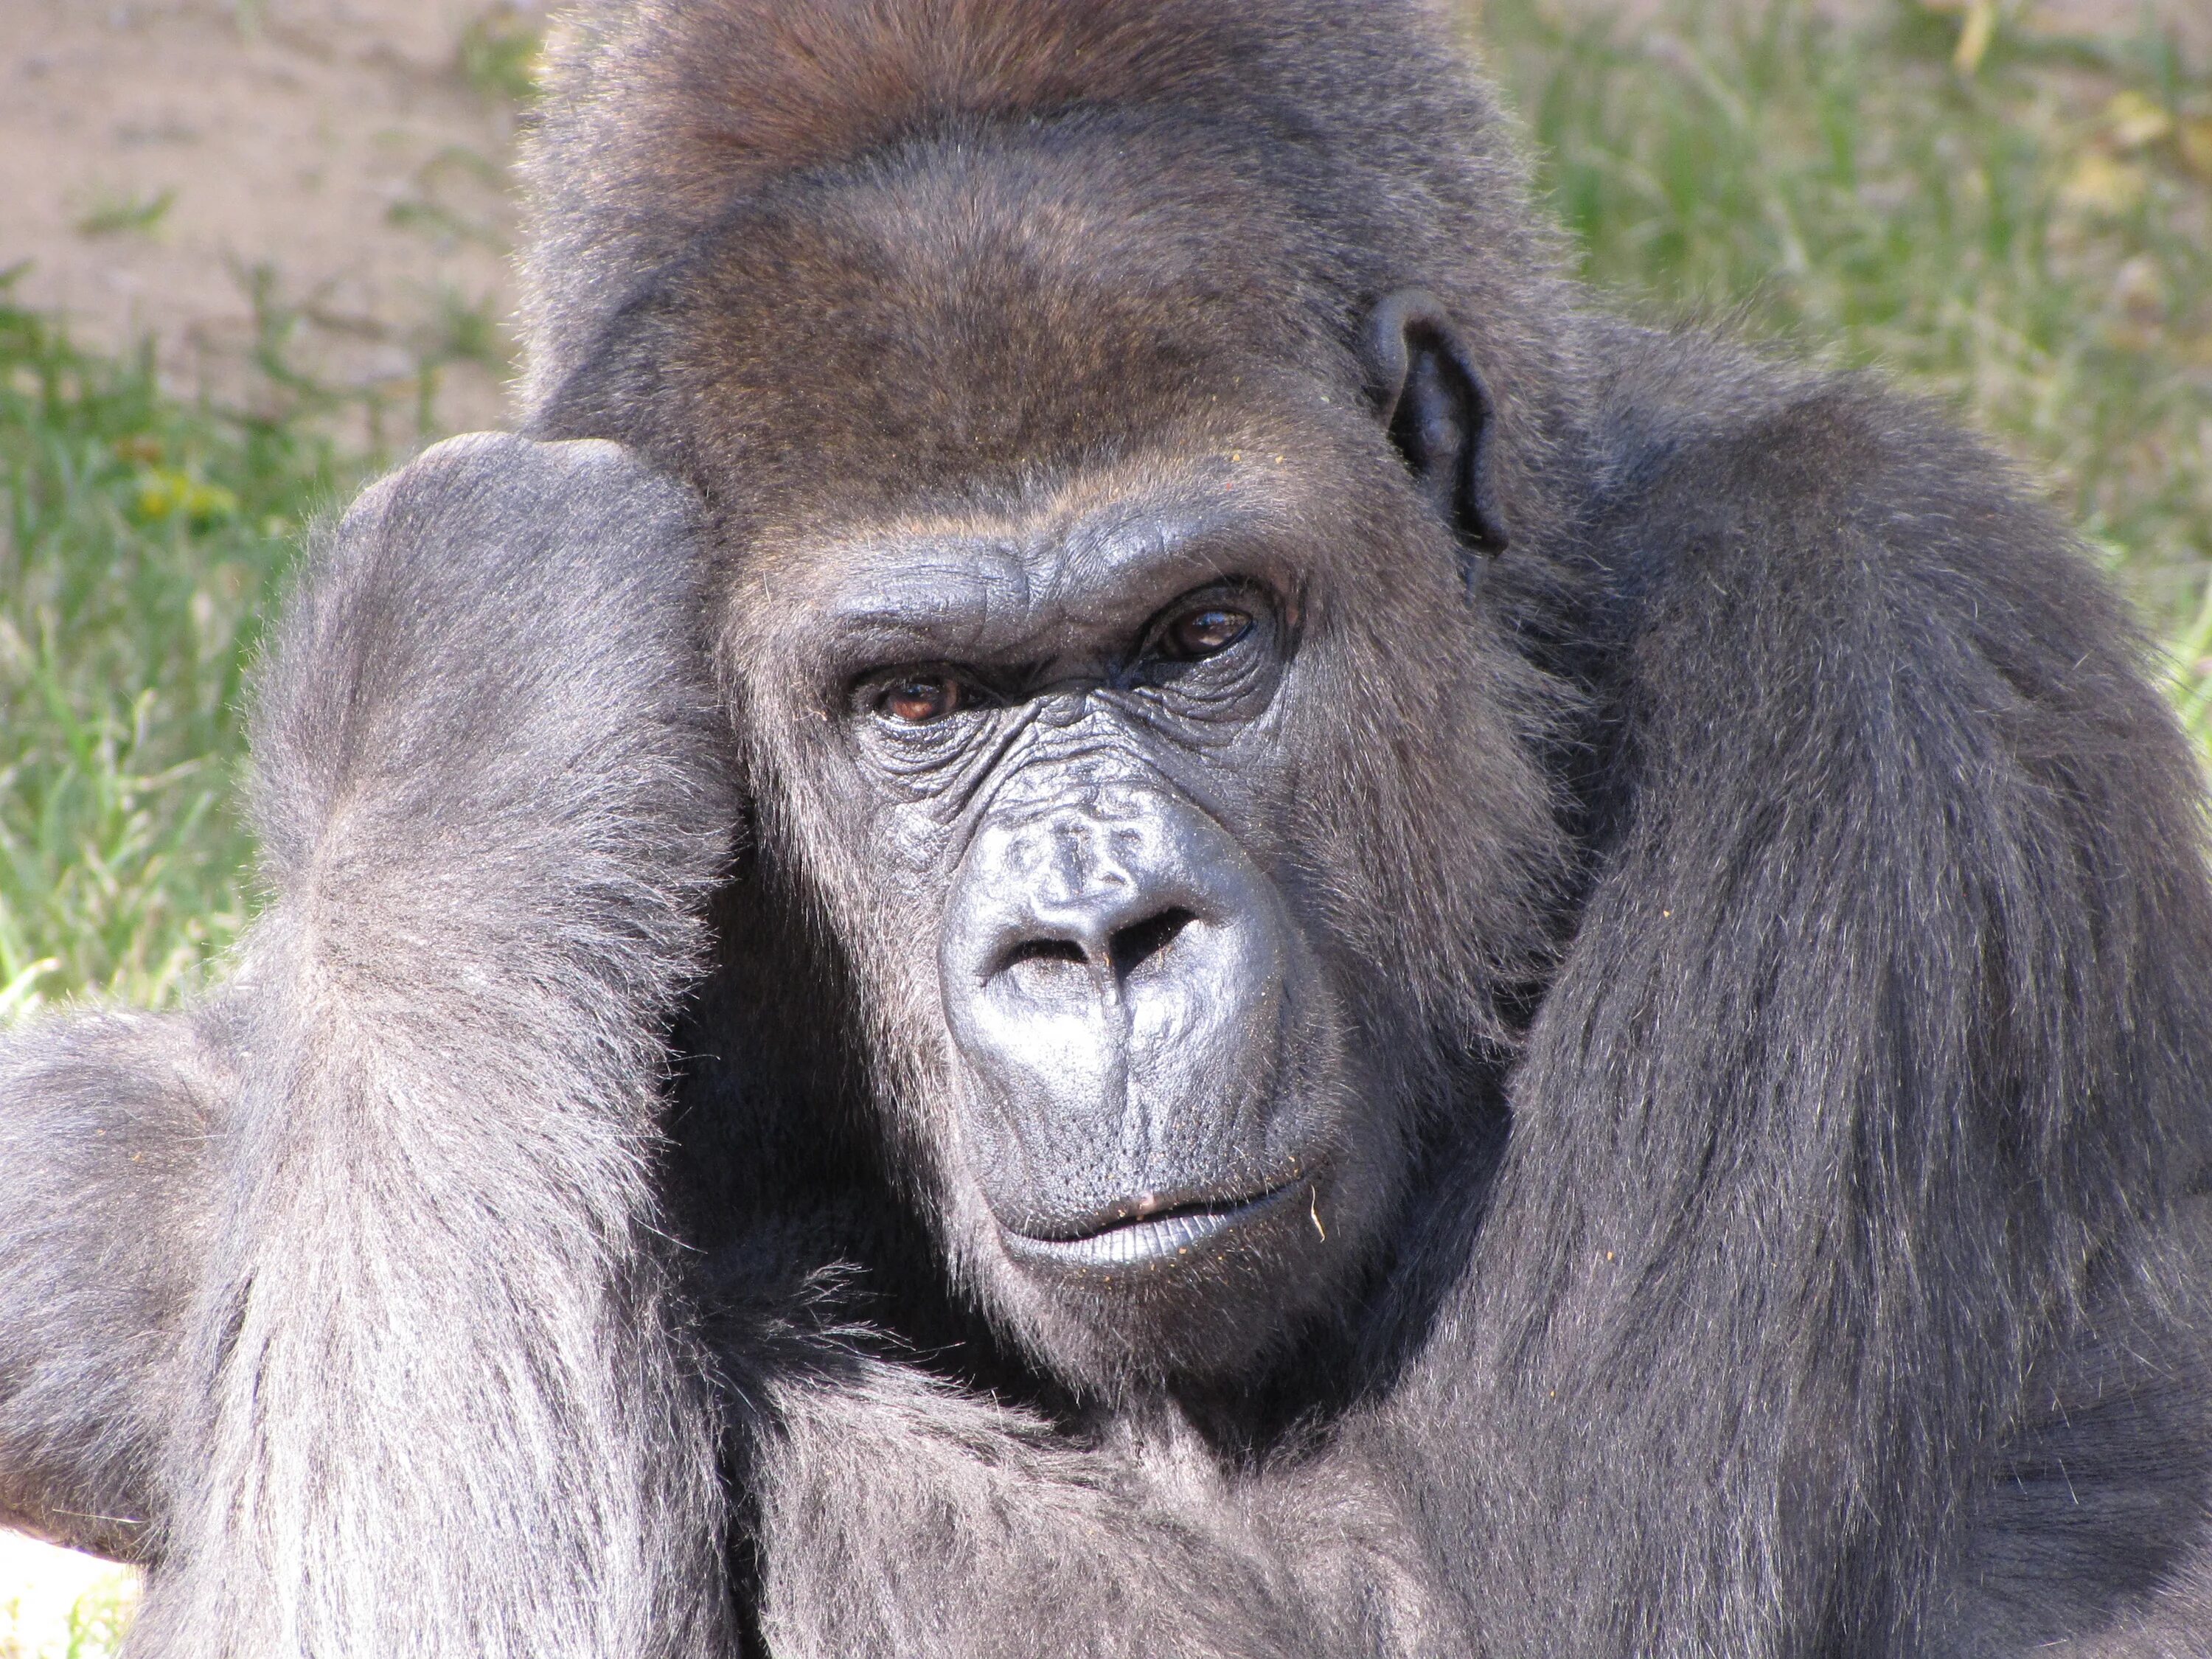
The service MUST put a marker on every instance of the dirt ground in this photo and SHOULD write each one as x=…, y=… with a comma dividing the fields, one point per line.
x=321, y=177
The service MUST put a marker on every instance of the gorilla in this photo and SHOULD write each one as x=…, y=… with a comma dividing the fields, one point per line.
x=1123, y=898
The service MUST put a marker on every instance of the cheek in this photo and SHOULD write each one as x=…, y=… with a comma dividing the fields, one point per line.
x=875, y=884
x=1426, y=834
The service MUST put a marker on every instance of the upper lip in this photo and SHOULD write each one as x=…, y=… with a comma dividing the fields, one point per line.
x=1139, y=1232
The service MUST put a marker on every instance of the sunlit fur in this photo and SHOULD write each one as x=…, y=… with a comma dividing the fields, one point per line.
x=1768, y=915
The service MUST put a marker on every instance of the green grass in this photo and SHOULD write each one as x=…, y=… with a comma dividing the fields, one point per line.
x=498, y=54
x=73, y=1613
x=2031, y=244
x=2014, y=242
x=111, y=215
x=141, y=542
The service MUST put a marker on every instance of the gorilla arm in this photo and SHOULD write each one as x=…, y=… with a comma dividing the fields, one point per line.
x=1837, y=1281
x=362, y=1260
x=105, y=1218
x=897, y=1515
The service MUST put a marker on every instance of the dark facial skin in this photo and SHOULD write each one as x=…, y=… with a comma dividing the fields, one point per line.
x=1058, y=735
x=1058, y=753
x=1132, y=999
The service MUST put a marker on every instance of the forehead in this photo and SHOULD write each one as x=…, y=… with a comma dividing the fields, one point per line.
x=956, y=313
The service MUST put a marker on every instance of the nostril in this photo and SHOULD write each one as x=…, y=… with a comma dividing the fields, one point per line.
x=1127, y=950
x=1139, y=943
x=1044, y=951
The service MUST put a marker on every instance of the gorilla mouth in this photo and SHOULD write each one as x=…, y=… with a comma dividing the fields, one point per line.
x=1157, y=1236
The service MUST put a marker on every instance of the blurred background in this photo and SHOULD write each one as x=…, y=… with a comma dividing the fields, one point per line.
x=253, y=250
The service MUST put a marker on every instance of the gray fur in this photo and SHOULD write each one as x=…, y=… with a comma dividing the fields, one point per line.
x=1768, y=917
x=435, y=1270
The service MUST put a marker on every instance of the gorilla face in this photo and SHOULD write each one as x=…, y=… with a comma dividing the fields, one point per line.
x=1062, y=764
x=1107, y=687
x=1100, y=645
x=1140, y=1023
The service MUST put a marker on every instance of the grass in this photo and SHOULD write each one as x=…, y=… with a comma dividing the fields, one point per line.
x=141, y=542
x=498, y=54
x=58, y=1607
x=111, y=215
x=2030, y=242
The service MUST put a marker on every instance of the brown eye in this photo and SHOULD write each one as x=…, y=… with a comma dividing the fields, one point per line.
x=919, y=701
x=1213, y=628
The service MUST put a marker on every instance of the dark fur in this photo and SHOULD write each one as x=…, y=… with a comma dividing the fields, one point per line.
x=1772, y=910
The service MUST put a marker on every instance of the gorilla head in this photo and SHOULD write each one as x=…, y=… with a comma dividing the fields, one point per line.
x=1079, y=758
x=1107, y=670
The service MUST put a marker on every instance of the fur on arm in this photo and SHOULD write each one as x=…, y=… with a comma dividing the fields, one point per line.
x=899, y=1516
x=452, y=1406
x=1867, y=1081
x=104, y=1186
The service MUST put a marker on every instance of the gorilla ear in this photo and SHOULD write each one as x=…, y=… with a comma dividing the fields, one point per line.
x=1437, y=411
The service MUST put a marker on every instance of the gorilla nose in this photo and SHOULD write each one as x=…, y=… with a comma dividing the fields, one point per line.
x=1079, y=903
x=1114, y=978
x=1088, y=909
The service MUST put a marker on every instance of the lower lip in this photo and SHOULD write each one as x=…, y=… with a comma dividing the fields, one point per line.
x=1146, y=1243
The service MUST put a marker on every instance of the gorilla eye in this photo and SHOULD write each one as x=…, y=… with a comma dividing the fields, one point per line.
x=919, y=700
x=1208, y=629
